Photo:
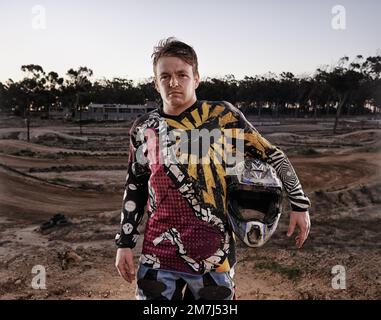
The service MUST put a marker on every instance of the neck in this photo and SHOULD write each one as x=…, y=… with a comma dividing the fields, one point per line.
x=175, y=110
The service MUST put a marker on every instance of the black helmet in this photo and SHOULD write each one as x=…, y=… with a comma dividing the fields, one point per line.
x=254, y=201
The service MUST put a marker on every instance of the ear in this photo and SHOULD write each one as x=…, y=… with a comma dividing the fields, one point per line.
x=196, y=80
x=156, y=84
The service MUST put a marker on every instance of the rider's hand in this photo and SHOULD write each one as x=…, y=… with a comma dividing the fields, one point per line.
x=124, y=262
x=302, y=221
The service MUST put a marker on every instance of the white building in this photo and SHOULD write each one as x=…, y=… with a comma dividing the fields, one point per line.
x=114, y=112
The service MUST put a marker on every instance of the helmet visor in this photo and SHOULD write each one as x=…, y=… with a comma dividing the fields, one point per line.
x=256, y=206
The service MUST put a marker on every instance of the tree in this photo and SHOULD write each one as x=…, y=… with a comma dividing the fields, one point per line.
x=344, y=87
x=344, y=78
x=53, y=88
x=33, y=87
x=79, y=87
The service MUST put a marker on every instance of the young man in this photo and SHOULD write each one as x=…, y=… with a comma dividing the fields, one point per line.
x=187, y=240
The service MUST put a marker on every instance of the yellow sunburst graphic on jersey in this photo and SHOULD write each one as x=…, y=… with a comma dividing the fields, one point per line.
x=205, y=159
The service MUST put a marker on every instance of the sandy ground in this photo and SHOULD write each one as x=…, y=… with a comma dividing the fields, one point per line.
x=83, y=177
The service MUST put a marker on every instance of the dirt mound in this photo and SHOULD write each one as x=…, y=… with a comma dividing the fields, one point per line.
x=38, y=135
x=349, y=202
x=363, y=140
x=45, y=199
x=13, y=146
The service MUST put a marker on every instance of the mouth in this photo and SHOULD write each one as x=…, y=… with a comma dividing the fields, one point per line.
x=174, y=92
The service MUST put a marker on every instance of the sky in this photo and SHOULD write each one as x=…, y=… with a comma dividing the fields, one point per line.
x=115, y=38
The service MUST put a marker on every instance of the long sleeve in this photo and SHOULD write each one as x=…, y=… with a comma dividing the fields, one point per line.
x=135, y=196
x=257, y=146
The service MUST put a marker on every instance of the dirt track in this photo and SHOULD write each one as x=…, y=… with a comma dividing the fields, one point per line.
x=342, y=180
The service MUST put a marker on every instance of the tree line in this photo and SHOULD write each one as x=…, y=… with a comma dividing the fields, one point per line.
x=350, y=87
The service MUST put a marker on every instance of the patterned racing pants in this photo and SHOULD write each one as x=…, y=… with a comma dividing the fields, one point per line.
x=157, y=284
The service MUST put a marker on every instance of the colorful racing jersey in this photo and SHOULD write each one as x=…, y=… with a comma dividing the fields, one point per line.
x=177, y=172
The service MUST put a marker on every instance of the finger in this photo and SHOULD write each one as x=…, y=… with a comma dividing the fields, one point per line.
x=130, y=275
x=301, y=238
x=299, y=243
x=305, y=232
x=291, y=228
x=308, y=225
x=126, y=276
x=308, y=229
x=131, y=269
x=123, y=272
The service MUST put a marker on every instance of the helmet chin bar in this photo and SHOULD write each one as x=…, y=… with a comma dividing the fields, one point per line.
x=253, y=233
x=257, y=233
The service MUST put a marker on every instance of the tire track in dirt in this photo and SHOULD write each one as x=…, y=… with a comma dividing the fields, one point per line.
x=337, y=171
x=26, y=198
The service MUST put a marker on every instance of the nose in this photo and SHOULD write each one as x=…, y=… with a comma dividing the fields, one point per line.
x=173, y=82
